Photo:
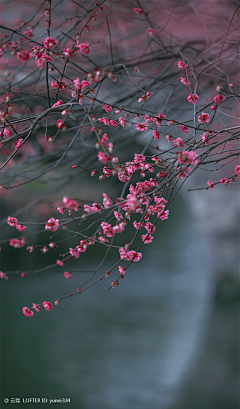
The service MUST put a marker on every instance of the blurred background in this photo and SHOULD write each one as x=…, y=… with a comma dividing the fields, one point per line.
x=168, y=336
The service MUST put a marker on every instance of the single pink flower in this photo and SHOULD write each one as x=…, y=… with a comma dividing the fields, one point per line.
x=59, y=123
x=137, y=10
x=70, y=203
x=12, y=221
x=47, y=305
x=36, y=307
x=67, y=275
x=27, y=311
x=156, y=134
x=24, y=55
x=184, y=128
x=20, y=227
x=122, y=121
x=58, y=103
x=192, y=98
x=67, y=52
x=122, y=270
x=218, y=99
x=50, y=42
x=16, y=243
x=3, y=275
x=210, y=184
x=52, y=224
x=151, y=32
x=60, y=263
x=84, y=48
x=142, y=126
x=203, y=118
x=237, y=170
x=19, y=143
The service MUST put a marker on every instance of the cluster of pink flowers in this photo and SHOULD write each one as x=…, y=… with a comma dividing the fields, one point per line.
x=225, y=181
x=187, y=157
x=81, y=85
x=145, y=97
x=178, y=142
x=12, y=221
x=129, y=255
x=57, y=84
x=95, y=208
x=102, y=157
x=132, y=202
x=185, y=81
x=182, y=65
x=108, y=108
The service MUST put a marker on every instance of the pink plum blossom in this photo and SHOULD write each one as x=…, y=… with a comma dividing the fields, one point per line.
x=178, y=142
x=184, y=128
x=210, y=184
x=52, y=224
x=237, y=170
x=60, y=263
x=182, y=65
x=203, y=118
x=142, y=126
x=84, y=48
x=47, y=305
x=218, y=99
x=192, y=98
x=50, y=42
x=67, y=275
x=16, y=243
x=3, y=275
x=27, y=311
x=185, y=81
x=225, y=181
x=24, y=55
x=151, y=32
x=19, y=143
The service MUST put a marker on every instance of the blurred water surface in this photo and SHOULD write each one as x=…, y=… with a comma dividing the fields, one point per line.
x=125, y=348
